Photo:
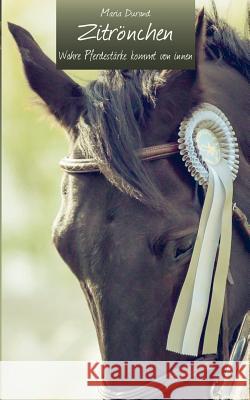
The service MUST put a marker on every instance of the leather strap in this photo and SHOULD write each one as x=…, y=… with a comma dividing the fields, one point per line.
x=241, y=222
x=88, y=165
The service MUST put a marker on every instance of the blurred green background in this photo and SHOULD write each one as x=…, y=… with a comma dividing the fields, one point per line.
x=44, y=313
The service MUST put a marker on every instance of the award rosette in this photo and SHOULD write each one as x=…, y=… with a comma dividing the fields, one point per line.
x=209, y=150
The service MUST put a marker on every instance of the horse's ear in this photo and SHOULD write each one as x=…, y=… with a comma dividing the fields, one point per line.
x=64, y=97
x=200, y=38
x=182, y=89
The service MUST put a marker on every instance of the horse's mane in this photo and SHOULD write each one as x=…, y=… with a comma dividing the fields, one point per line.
x=223, y=42
x=117, y=103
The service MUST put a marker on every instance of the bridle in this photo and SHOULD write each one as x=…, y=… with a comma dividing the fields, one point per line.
x=82, y=166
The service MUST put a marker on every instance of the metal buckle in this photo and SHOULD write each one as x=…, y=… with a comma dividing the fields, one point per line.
x=241, y=346
x=239, y=352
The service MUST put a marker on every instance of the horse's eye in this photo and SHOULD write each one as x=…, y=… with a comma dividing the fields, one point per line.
x=174, y=249
x=184, y=247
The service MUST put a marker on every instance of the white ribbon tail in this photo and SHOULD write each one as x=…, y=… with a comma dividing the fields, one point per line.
x=182, y=310
x=204, y=274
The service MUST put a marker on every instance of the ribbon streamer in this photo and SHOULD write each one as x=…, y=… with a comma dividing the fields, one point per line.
x=192, y=307
x=220, y=278
x=204, y=272
x=182, y=310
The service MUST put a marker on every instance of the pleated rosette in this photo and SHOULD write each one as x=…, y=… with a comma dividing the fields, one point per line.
x=209, y=149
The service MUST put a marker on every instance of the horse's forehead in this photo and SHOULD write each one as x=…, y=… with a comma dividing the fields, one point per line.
x=89, y=194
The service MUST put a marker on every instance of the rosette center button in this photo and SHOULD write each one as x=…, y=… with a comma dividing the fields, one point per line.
x=208, y=146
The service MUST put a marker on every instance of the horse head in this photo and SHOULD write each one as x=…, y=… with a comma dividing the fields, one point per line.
x=128, y=232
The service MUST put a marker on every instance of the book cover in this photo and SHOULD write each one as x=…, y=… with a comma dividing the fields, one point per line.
x=125, y=199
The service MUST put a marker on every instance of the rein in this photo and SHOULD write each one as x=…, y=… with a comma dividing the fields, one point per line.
x=82, y=166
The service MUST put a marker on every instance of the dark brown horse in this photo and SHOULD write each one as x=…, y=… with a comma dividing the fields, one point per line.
x=128, y=233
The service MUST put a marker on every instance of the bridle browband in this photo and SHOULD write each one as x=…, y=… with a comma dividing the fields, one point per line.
x=89, y=165
x=82, y=165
